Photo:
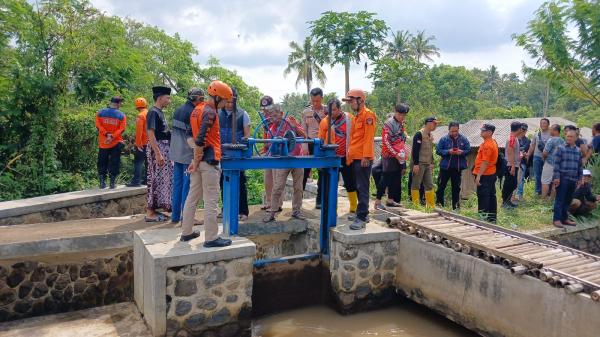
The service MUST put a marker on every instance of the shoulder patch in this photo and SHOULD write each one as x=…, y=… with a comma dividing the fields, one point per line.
x=369, y=121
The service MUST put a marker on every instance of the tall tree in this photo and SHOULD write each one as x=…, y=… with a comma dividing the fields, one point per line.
x=571, y=60
x=422, y=47
x=302, y=61
x=342, y=38
x=400, y=46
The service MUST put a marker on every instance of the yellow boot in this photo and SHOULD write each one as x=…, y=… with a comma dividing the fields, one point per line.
x=353, y=198
x=430, y=199
x=416, y=197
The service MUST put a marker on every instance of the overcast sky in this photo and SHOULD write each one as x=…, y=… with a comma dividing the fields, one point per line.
x=252, y=37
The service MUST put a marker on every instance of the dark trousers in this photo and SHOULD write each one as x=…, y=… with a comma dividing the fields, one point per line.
x=139, y=165
x=392, y=180
x=362, y=175
x=347, y=176
x=243, y=193
x=510, y=184
x=377, y=173
x=311, y=150
x=564, y=197
x=486, y=198
x=109, y=161
x=454, y=176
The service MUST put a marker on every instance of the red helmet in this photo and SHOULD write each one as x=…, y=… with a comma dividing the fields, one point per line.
x=220, y=89
x=140, y=102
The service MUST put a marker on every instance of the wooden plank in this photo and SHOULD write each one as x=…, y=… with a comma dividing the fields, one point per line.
x=589, y=285
x=553, y=258
x=569, y=264
x=446, y=225
x=523, y=247
x=587, y=273
x=551, y=263
x=437, y=222
x=595, y=265
x=542, y=254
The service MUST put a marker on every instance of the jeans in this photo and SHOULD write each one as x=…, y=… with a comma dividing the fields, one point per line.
x=139, y=163
x=454, y=176
x=538, y=164
x=564, y=197
x=362, y=175
x=510, y=184
x=243, y=205
x=181, y=188
x=109, y=161
x=522, y=178
x=486, y=197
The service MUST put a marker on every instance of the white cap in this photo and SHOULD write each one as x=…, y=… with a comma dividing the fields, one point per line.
x=587, y=172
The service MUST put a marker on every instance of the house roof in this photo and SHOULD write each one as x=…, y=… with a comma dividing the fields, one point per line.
x=471, y=129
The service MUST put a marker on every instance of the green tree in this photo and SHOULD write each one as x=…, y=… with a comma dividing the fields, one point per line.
x=302, y=61
x=343, y=38
x=422, y=47
x=400, y=46
x=571, y=61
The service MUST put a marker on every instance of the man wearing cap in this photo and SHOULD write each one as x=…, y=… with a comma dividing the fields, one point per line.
x=422, y=162
x=453, y=148
x=266, y=106
x=242, y=120
x=180, y=152
x=361, y=152
x=568, y=167
x=111, y=123
x=512, y=154
x=279, y=128
x=160, y=169
x=393, y=157
x=141, y=140
x=485, y=174
x=584, y=201
x=311, y=118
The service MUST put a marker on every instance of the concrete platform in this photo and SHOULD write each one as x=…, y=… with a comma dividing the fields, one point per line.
x=119, y=320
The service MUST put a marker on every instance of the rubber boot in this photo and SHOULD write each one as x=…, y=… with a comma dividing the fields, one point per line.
x=415, y=196
x=353, y=198
x=430, y=199
x=102, y=180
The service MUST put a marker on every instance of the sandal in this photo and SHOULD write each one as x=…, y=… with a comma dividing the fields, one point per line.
x=159, y=218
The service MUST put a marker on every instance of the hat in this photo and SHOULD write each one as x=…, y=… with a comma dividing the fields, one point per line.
x=160, y=91
x=196, y=92
x=488, y=127
x=587, y=172
x=431, y=119
x=116, y=99
x=266, y=102
x=402, y=108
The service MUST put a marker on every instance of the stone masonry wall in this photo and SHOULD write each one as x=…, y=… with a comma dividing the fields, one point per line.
x=101, y=209
x=587, y=240
x=30, y=288
x=363, y=276
x=211, y=299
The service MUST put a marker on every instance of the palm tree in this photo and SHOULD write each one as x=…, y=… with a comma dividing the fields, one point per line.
x=400, y=46
x=302, y=61
x=422, y=46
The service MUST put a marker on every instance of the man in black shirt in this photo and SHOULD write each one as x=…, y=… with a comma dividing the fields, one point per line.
x=584, y=201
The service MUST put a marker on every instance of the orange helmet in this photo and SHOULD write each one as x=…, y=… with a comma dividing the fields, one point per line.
x=220, y=89
x=354, y=93
x=140, y=102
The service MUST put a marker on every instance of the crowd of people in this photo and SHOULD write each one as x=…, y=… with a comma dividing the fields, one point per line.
x=182, y=161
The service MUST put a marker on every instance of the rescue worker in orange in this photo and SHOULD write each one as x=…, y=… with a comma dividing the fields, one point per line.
x=205, y=169
x=340, y=135
x=141, y=140
x=361, y=152
x=111, y=123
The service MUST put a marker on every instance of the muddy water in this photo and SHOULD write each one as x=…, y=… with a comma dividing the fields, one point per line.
x=404, y=320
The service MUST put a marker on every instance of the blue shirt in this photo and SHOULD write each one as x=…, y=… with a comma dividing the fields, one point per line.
x=596, y=144
x=568, y=163
x=551, y=145
x=453, y=161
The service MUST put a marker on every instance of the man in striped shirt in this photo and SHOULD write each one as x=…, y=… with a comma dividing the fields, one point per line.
x=568, y=167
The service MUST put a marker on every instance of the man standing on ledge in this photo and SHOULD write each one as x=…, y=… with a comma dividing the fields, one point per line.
x=111, y=123
x=311, y=118
x=422, y=163
x=485, y=174
x=160, y=169
x=361, y=152
x=205, y=169
x=141, y=140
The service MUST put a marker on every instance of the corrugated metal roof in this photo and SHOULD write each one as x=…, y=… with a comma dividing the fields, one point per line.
x=471, y=129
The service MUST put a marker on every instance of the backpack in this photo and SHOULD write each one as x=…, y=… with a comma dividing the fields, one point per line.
x=501, y=163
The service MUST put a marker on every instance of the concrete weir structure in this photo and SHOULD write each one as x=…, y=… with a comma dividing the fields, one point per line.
x=183, y=289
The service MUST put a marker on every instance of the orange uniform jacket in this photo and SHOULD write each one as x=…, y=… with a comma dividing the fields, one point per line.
x=141, y=134
x=340, y=132
x=111, y=121
x=362, y=136
x=205, y=129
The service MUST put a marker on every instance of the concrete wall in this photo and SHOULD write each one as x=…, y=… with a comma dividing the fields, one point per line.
x=73, y=206
x=487, y=298
x=585, y=239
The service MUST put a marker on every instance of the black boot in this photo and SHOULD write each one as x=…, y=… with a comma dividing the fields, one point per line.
x=113, y=183
x=102, y=180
